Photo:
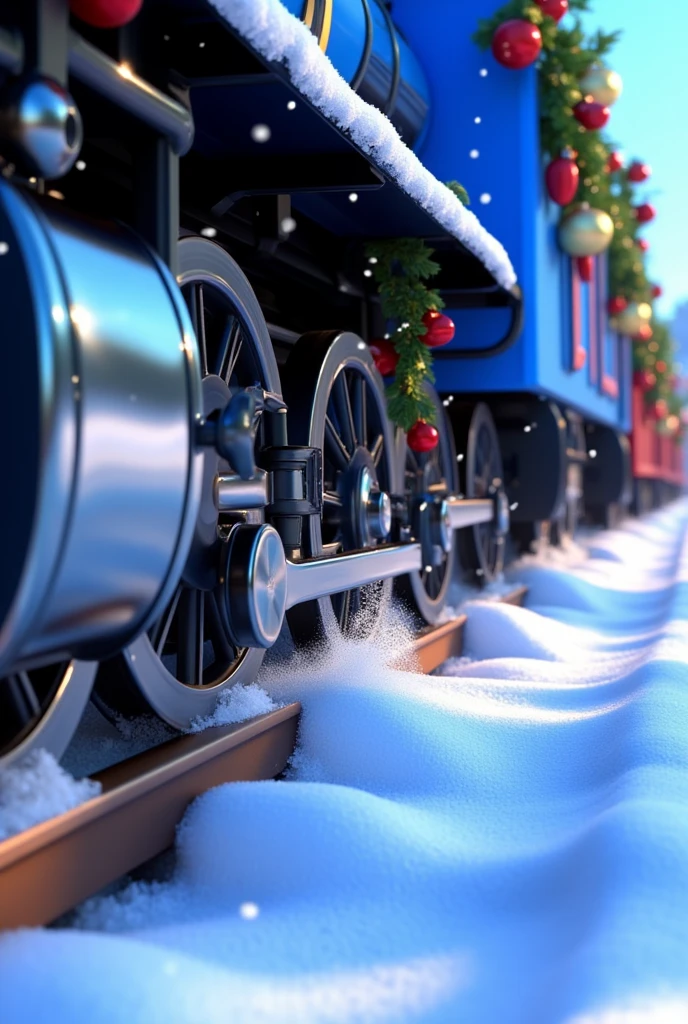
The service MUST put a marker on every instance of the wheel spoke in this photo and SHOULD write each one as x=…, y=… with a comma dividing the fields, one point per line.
x=343, y=615
x=376, y=450
x=161, y=629
x=335, y=447
x=224, y=650
x=342, y=407
x=235, y=340
x=23, y=696
x=198, y=320
x=360, y=410
x=190, y=624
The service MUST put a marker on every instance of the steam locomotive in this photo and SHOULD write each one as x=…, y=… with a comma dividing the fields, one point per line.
x=197, y=441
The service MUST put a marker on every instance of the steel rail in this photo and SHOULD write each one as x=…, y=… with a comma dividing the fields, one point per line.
x=55, y=865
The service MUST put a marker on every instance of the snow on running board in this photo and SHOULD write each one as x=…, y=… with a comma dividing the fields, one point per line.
x=278, y=36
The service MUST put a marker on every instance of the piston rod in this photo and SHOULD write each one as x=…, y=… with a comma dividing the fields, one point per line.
x=469, y=511
x=320, y=577
x=233, y=493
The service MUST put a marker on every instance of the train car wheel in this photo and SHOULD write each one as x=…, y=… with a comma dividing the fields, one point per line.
x=336, y=402
x=481, y=547
x=428, y=477
x=40, y=708
x=179, y=667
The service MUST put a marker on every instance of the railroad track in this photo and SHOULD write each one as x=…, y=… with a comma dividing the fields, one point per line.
x=50, y=868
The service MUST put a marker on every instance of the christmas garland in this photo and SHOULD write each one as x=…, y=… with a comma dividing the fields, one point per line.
x=587, y=163
x=400, y=268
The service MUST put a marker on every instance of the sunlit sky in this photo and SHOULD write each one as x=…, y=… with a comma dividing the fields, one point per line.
x=649, y=122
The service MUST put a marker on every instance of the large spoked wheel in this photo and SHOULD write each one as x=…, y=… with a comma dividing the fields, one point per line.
x=336, y=402
x=480, y=547
x=187, y=658
x=40, y=708
x=429, y=478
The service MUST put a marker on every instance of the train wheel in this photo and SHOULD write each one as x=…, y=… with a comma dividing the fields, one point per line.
x=481, y=547
x=186, y=659
x=336, y=402
x=428, y=477
x=40, y=708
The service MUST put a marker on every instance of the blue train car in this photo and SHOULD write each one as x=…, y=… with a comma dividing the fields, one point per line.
x=484, y=130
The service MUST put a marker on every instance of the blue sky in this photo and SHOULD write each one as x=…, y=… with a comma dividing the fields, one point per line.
x=648, y=122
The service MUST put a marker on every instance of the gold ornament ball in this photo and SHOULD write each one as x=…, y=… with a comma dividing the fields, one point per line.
x=634, y=316
x=605, y=86
x=585, y=231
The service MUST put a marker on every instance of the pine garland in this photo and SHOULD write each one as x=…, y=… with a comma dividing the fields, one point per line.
x=400, y=268
x=565, y=57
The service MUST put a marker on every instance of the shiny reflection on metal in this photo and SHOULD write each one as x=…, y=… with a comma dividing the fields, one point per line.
x=469, y=511
x=255, y=585
x=307, y=581
x=232, y=493
x=41, y=127
x=379, y=514
x=61, y=717
x=443, y=527
x=123, y=87
x=116, y=480
x=502, y=514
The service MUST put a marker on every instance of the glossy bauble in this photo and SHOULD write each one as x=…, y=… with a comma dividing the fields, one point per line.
x=385, y=355
x=633, y=317
x=659, y=409
x=642, y=244
x=644, y=379
x=656, y=291
x=615, y=162
x=585, y=231
x=561, y=177
x=644, y=213
x=602, y=84
x=106, y=13
x=422, y=437
x=555, y=9
x=639, y=172
x=440, y=329
x=616, y=305
x=591, y=115
x=644, y=333
x=586, y=267
x=516, y=44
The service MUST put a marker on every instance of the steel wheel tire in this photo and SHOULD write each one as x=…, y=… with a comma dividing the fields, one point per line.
x=179, y=667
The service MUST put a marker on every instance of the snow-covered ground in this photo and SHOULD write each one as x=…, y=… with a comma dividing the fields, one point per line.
x=504, y=842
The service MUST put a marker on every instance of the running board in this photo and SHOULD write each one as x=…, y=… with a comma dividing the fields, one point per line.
x=320, y=577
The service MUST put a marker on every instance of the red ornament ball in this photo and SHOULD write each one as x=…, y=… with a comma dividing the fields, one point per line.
x=656, y=291
x=590, y=114
x=516, y=44
x=644, y=333
x=106, y=13
x=553, y=8
x=440, y=329
x=615, y=162
x=586, y=267
x=642, y=244
x=561, y=178
x=645, y=213
x=385, y=355
x=644, y=379
x=638, y=171
x=661, y=366
x=617, y=305
x=422, y=437
x=660, y=409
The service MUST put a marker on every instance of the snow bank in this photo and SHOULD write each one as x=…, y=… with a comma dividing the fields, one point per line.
x=503, y=844
x=279, y=36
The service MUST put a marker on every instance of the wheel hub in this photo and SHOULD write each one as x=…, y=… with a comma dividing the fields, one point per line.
x=254, y=585
x=369, y=517
x=502, y=515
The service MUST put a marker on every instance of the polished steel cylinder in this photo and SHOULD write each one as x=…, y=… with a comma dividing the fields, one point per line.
x=99, y=397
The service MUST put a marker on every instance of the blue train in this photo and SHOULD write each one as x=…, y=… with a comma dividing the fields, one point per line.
x=201, y=446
